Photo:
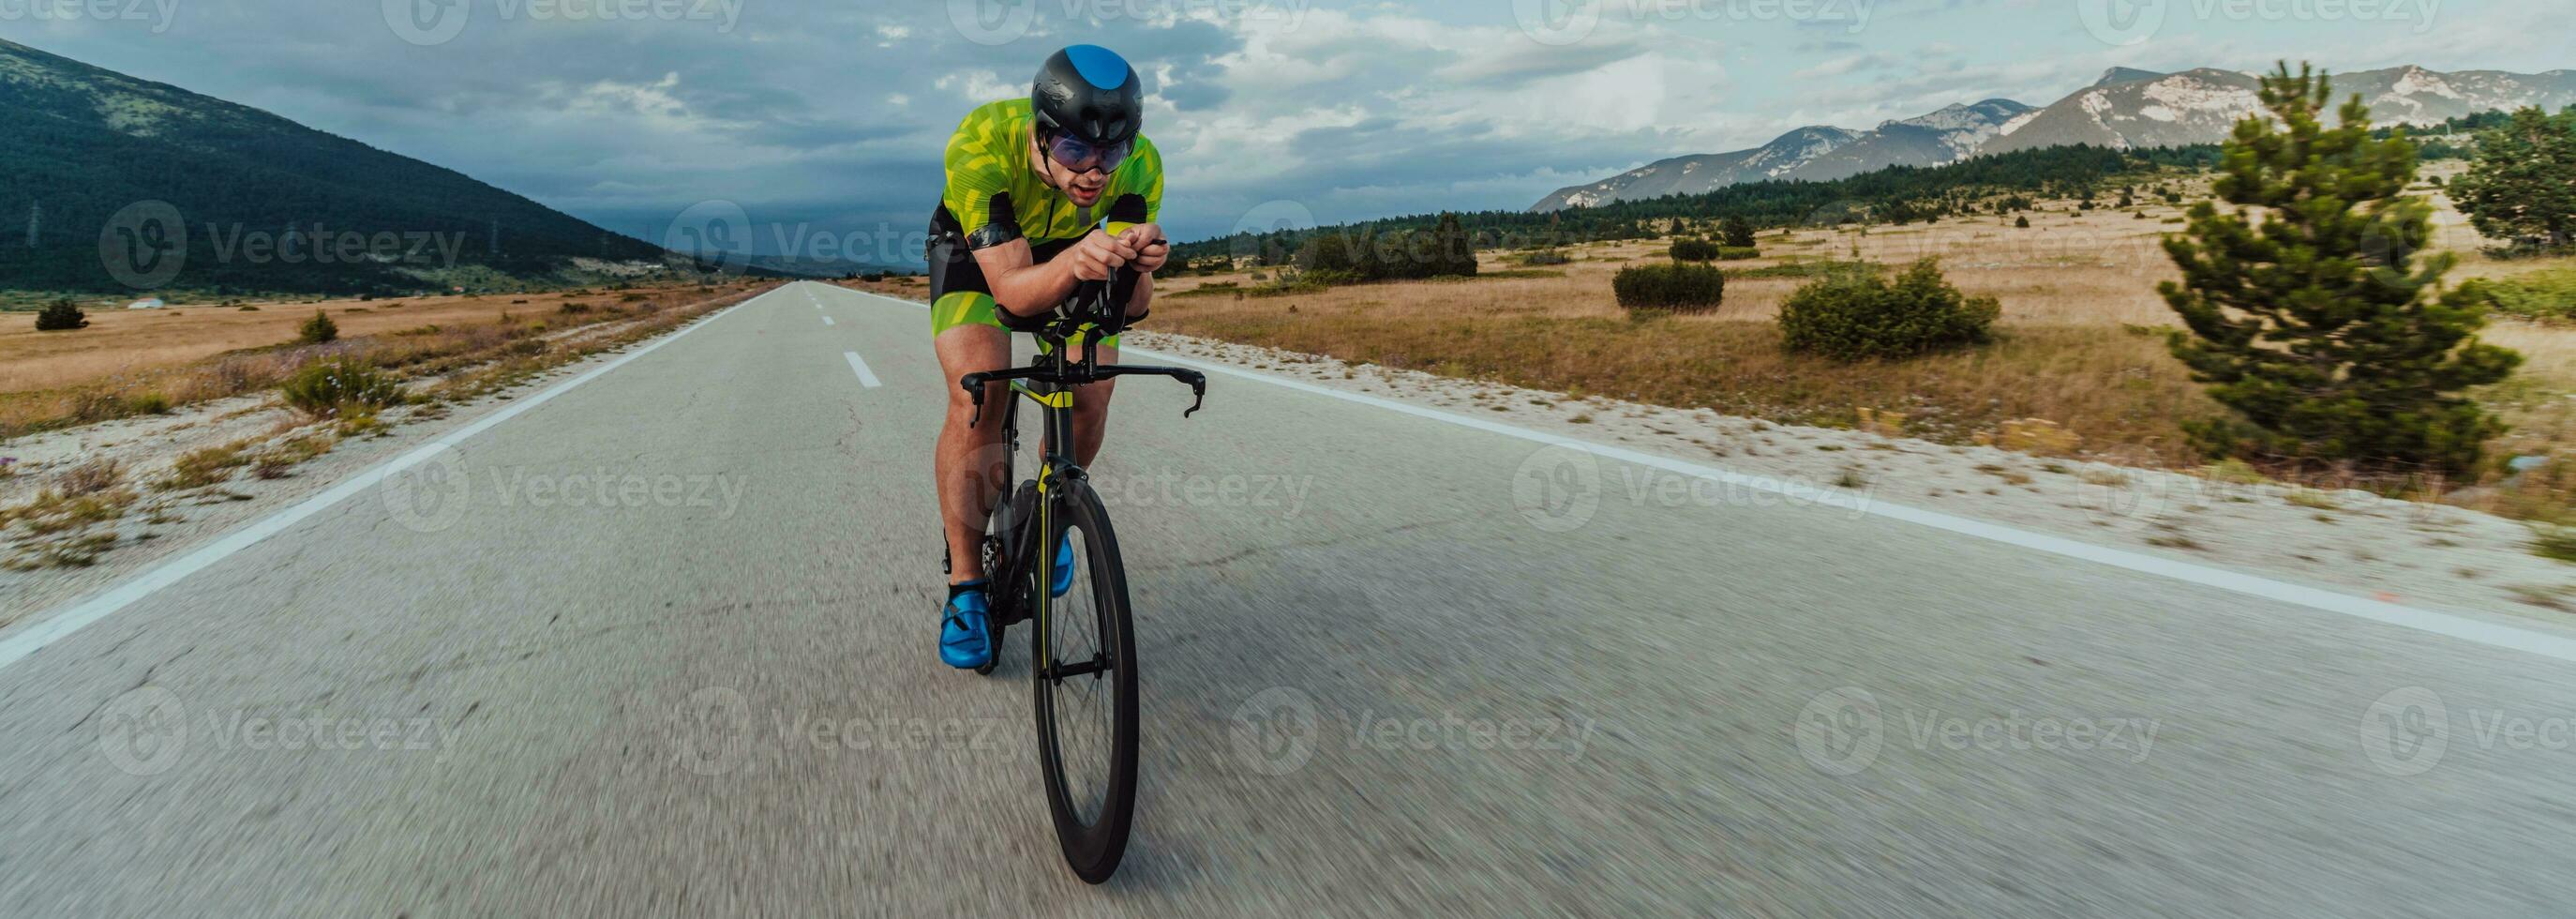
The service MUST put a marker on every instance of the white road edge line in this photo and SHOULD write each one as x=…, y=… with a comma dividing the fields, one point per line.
x=2422, y=620
x=866, y=379
x=48, y=629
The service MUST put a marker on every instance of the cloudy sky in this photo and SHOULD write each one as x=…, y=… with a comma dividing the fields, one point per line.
x=828, y=117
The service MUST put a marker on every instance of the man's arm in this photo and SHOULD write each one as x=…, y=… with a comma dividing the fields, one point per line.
x=1026, y=288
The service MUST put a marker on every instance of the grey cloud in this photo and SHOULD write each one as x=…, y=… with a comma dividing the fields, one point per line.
x=1528, y=61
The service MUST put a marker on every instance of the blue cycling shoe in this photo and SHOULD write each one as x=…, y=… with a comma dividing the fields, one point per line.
x=966, y=631
x=1063, y=569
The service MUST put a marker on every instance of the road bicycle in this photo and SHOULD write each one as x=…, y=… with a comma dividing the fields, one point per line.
x=1082, y=648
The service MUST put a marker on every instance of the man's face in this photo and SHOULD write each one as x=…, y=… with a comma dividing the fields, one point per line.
x=1083, y=187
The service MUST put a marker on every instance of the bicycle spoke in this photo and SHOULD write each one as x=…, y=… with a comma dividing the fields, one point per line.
x=1082, y=702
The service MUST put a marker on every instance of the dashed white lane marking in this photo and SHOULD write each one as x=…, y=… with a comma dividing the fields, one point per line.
x=2422, y=620
x=62, y=623
x=866, y=378
x=827, y=320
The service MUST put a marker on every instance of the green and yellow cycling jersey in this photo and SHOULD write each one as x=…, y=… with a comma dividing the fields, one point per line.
x=995, y=195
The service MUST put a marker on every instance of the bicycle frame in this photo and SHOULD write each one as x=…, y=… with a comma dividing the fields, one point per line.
x=1095, y=314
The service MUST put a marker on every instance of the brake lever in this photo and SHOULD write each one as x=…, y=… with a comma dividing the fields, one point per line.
x=975, y=391
x=1198, y=395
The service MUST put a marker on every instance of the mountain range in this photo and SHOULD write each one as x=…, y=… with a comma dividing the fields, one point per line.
x=2125, y=109
x=252, y=202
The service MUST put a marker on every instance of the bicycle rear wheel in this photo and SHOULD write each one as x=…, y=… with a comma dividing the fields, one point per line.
x=1083, y=655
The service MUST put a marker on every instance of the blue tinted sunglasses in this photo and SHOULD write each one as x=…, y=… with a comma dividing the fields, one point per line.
x=1072, y=153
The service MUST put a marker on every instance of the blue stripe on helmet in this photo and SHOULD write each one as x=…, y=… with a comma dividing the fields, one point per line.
x=1101, y=66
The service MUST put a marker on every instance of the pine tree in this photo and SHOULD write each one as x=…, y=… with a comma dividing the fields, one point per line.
x=1453, y=249
x=61, y=316
x=2318, y=322
x=2523, y=183
x=320, y=329
x=1737, y=232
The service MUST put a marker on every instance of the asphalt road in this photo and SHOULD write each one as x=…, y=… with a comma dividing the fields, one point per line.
x=664, y=644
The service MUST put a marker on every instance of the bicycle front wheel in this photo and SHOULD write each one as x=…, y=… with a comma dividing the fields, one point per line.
x=1084, y=657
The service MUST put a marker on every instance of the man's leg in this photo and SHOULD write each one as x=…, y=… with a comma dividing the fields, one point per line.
x=969, y=458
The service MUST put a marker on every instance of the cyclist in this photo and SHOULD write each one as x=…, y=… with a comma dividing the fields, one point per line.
x=1024, y=218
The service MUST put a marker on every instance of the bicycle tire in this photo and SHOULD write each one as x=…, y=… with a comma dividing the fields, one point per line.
x=1092, y=847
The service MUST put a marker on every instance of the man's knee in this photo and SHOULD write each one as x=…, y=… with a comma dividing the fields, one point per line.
x=961, y=411
x=1091, y=403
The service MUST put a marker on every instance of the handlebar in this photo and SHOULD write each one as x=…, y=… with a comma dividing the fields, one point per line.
x=1077, y=374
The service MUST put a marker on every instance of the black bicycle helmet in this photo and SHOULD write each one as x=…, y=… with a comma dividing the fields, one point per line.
x=1091, y=93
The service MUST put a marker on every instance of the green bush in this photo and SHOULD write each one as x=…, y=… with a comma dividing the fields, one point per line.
x=317, y=330
x=2021, y=223
x=61, y=316
x=1545, y=257
x=1680, y=287
x=1737, y=253
x=1860, y=315
x=2546, y=295
x=1688, y=249
x=329, y=388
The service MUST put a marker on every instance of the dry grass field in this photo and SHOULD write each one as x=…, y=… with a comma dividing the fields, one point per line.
x=139, y=361
x=2079, y=343
x=120, y=342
